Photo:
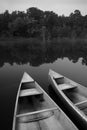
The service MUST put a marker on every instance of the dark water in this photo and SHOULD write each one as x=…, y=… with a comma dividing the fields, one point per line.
x=69, y=59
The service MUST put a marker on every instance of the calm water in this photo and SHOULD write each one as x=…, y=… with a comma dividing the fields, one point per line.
x=66, y=58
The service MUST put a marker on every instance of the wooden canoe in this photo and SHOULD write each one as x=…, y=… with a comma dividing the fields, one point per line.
x=35, y=110
x=73, y=97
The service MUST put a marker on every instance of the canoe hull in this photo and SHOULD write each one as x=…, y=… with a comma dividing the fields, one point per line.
x=70, y=110
x=34, y=112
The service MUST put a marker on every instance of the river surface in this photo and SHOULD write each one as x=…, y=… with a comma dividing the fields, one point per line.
x=66, y=59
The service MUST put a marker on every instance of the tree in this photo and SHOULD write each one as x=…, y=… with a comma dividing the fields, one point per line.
x=77, y=13
x=35, y=13
x=18, y=27
x=51, y=18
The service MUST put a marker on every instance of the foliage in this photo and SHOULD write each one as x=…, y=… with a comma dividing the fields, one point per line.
x=37, y=23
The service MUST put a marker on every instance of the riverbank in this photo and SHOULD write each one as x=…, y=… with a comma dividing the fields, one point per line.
x=17, y=40
x=20, y=40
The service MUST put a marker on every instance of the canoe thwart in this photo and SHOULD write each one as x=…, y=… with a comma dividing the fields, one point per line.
x=36, y=112
x=29, y=92
x=66, y=86
x=81, y=103
x=36, y=117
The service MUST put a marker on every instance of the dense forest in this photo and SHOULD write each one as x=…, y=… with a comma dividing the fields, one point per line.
x=37, y=23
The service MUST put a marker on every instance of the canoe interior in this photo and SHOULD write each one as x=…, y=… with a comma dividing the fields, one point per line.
x=37, y=112
x=77, y=94
x=31, y=103
x=74, y=95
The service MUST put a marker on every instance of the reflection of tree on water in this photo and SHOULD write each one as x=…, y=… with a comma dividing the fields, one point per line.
x=35, y=55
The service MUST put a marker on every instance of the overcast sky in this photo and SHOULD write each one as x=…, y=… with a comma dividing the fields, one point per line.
x=58, y=6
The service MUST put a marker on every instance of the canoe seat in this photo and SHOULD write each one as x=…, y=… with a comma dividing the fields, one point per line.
x=66, y=86
x=35, y=117
x=30, y=92
x=36, y=112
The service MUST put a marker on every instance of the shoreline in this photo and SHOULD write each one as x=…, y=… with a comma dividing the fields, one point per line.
x=20, y=40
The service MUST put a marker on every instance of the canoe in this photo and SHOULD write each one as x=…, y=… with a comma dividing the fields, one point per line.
x=73, y=97
x=35, y=110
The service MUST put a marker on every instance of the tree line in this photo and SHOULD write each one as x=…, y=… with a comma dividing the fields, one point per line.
x=38, y=23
